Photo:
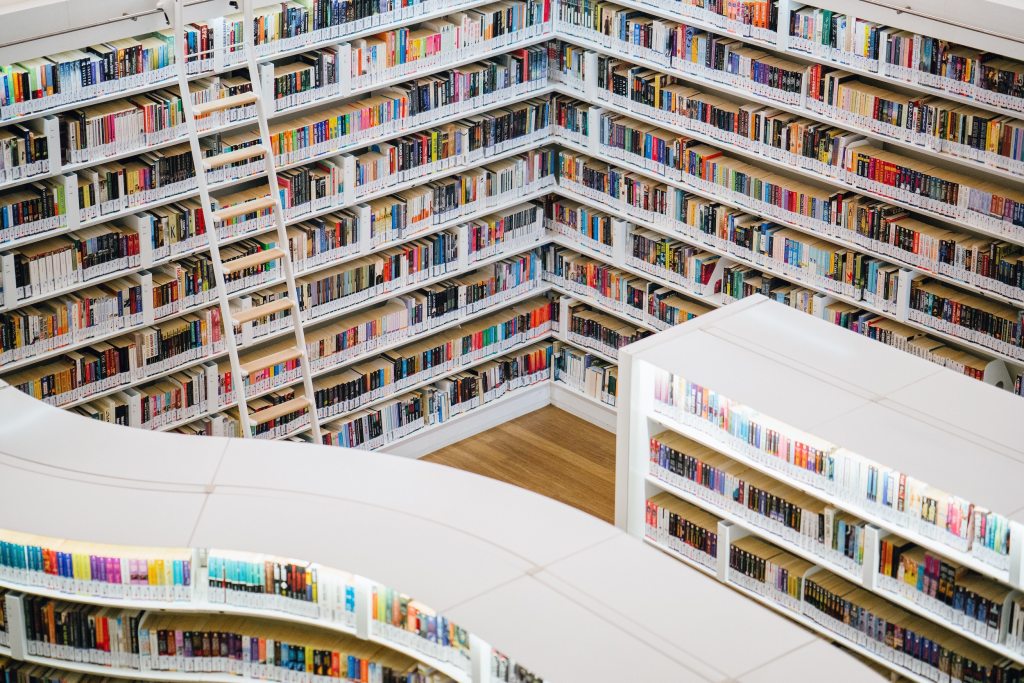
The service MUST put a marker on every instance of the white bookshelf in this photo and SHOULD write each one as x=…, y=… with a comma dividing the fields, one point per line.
x=807, y=380
x=548, y=557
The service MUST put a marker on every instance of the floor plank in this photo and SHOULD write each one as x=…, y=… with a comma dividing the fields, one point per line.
x=548, y=451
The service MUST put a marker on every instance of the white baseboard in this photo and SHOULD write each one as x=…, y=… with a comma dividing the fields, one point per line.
x=516, y=404
x=590, y=409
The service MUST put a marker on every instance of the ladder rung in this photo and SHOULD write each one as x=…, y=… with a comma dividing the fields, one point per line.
x=257, y=312
x=223, y=103
x=252, y=260
x=273, y=412
x=218, y=160
x=282, y=356
x=245, y=207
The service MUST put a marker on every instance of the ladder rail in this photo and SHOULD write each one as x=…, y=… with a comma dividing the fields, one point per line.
x=270, y=168
x=212, y=237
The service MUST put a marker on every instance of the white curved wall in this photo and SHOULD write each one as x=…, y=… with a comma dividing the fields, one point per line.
x=571, y=597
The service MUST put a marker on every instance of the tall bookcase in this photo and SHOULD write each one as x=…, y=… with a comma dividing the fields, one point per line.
x=612, y=194
x=818, y=473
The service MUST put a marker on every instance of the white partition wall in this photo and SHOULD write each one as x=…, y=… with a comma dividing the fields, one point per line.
x=759, y=445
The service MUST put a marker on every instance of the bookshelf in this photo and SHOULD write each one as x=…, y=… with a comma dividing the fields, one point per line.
x=552, y=556
x=547, y=61
x=847, y=468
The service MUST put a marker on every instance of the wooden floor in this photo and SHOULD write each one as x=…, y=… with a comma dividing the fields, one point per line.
x=548, y=451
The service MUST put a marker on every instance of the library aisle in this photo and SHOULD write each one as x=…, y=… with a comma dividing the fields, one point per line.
x=530, y=452
x=724, y=299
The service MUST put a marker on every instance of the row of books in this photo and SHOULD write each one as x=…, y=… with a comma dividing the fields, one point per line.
x=566, y=64
x=306, y=78
x=685, y=160
x=187, y=282
x=580, y=223
x=754, y=18
x=586, y=373
x=281, y=584
x=838, y=37
x=118, y=187
x=636, y=198
x=950, y=591
x=405, y=620
x=38, y=85
x=408, y=50
x=605, y=334
x=782, y=136
x=207, y=644
x=909, y=57
x=884, y=229
x=388, y=112
x=432, y=356
x=941, y=125
x=53, y=265
x=894, y=54
x=756, y=565
x=24, y=152
x=63, y=78
x=633, y=297
x=194, y=336
x=441, y=401
x=179, y=227
x=865, y=485
x=985, y=205
x=110, y=571
x=408, y=314
x=723, y=59
x=196, y=391
x=1001, y=337
x=414, y=50
x=246, y=580
x=857, y=616
x=93, y=133
x=112, y=189
x=683, y=528
x=831, y=536
x=484, y=383
x=408, y=158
